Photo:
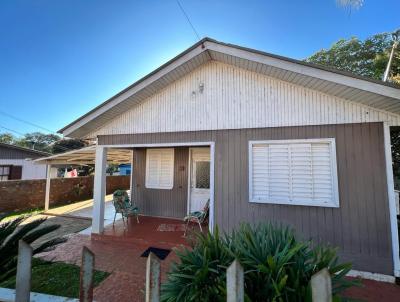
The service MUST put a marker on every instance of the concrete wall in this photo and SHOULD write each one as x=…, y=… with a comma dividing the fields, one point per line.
x=18, y=195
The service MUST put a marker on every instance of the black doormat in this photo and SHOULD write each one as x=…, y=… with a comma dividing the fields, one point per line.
x=160, y=253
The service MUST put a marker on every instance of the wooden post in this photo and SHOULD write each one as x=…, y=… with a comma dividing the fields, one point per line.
x=153, y=278
x=24, y=271
x=321, y=286
x=86, y=278
x=235, y=282
x=48, y=181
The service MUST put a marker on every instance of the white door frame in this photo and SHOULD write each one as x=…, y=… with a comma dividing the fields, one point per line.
x=183, y=144
x=190, y=178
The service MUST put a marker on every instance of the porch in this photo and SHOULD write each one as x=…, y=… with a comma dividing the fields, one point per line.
x=167, y=180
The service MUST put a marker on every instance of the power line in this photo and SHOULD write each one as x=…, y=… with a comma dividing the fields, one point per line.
x=20, y=133
x=8, y=129
x=188, y=19
x=26, y=122
x=32, y=124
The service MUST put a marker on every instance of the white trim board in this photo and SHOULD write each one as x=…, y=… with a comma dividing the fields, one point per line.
x=372, y=276
x=392, y=200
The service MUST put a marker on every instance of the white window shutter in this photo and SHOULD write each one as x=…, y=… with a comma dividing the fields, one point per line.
x=160, y=168
x=299, y=172
x=279, y=175
x=322, y=171
x=260, y=171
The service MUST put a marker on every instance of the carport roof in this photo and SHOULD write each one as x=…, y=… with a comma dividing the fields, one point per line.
x=86, y=156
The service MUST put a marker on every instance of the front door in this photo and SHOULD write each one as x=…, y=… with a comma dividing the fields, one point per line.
x=199, y=191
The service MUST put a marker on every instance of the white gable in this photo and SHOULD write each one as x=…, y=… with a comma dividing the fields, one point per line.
x=234, y=98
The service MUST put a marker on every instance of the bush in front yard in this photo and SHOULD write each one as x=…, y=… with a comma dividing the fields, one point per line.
x=16, y=229
x=278, y=267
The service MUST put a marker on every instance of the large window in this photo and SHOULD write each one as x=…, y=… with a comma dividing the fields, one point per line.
x=160, y=168
x=294, y=172
x=5, y=172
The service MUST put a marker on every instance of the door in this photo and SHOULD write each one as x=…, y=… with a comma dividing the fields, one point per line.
x=199, y=191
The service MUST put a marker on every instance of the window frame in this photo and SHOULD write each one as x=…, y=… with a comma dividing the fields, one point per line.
x=150, y=186
x=334, y=203
x=9, y=172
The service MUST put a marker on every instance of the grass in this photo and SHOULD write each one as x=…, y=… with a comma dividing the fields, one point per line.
x=16, y=214
x=56, y=278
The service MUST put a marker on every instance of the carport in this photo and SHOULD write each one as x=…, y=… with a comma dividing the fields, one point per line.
x=80, y=157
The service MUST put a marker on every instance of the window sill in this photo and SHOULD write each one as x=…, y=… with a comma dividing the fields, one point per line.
x=298, y=203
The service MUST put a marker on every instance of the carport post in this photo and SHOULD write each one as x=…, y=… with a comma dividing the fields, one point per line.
x=47, y=196
x=99, y=190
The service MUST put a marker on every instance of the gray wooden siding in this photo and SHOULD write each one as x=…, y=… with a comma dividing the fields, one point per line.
x=155, y=202
x=360, y=227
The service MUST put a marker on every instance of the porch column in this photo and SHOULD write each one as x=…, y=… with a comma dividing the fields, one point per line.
x=99, y=190
x=47, y=195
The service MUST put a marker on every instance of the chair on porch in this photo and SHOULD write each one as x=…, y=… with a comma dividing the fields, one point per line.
x=198, y=217
x=124, y=206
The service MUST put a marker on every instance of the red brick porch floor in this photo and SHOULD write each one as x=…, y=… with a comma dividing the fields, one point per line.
x=118, y=251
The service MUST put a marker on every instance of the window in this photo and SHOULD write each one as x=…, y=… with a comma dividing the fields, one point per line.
x=202, y=175
x=160, y=168
x=5, y=172
x=294, y=172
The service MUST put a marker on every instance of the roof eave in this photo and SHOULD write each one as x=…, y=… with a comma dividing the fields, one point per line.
x=308, y=69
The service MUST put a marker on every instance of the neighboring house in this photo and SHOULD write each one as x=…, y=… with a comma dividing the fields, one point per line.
x=265, y=138
x=16, y=163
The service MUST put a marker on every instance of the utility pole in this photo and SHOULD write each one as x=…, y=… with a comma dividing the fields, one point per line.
x=395, y=37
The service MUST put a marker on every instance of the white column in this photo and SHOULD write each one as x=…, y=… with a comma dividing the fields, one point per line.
x=47, y=195
x=99, y=190
x=131, y=184
x=392, y=200
x=211, y=215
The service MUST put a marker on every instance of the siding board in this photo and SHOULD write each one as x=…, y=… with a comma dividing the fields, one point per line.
x=360, y=227
x=235, y=98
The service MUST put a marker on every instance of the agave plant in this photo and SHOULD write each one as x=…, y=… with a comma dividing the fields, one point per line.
x=278, y=267
x=12, y=231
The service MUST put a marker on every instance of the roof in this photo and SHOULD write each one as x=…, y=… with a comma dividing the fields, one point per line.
x=86, y=156
x=24, y=150
x=329, y=80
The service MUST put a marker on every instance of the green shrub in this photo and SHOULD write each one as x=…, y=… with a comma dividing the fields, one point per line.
x=278, y=267
x=11, y=231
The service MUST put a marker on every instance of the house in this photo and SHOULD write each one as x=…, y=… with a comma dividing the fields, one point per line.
x=16, y=163
x=264, y=138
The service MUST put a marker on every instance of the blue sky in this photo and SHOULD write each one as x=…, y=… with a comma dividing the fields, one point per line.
x=59, y=59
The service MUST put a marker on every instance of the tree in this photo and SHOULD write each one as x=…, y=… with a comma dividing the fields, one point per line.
x=38, y=141
x=67, y=145
x=7, y=138
x=366, y=58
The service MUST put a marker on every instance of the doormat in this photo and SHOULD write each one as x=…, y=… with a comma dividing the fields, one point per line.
x=169, y=227
x=160, y=253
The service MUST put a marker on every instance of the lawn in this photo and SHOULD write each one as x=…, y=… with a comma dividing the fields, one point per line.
x=56, y=278
x=16, y=214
